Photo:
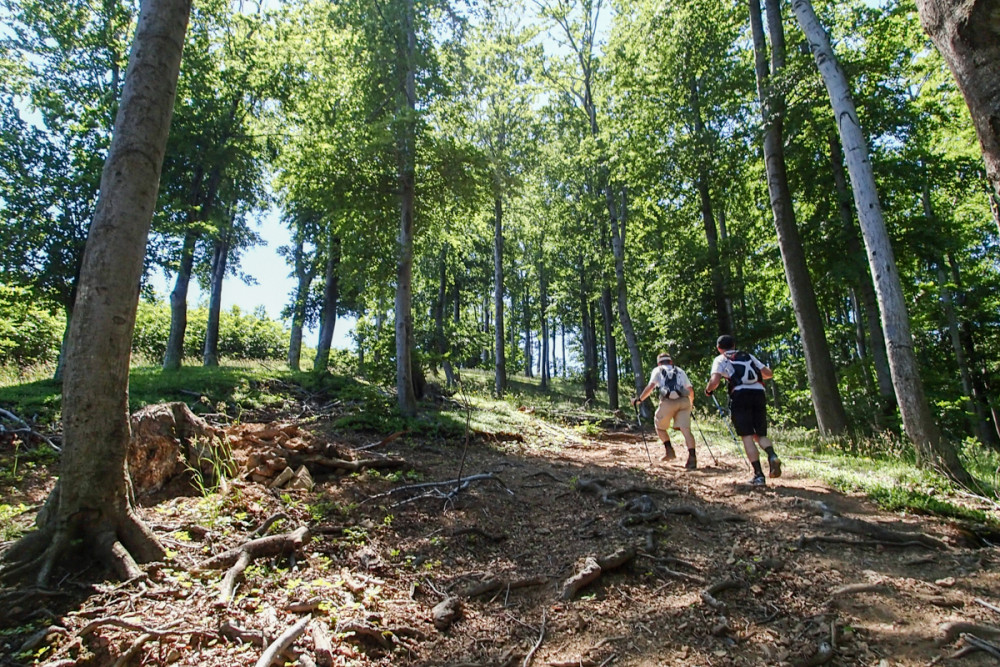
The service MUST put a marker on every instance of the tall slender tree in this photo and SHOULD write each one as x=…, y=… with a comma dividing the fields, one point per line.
x=913, y=406
x=91, y=500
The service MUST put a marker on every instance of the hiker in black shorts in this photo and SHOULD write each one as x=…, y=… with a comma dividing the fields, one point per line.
x=744, y=374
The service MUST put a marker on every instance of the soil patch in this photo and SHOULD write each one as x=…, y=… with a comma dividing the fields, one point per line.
x=546, y=549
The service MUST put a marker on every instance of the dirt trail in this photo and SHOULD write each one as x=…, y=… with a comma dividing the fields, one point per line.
x=708, y=571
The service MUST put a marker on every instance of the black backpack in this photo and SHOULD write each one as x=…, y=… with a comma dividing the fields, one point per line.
x=669, y=385
x=746, y=372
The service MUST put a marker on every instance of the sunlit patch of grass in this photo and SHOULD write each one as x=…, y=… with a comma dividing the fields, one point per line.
x=888, y=474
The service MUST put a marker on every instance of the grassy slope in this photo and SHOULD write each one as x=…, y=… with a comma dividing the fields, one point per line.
x=881, y=468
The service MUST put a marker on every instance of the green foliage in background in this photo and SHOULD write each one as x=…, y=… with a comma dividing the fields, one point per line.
x=29, y=332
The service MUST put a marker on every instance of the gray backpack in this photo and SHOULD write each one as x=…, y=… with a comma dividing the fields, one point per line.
x=669, y=384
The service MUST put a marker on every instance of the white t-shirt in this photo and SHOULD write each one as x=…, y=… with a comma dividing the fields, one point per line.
x=682, y=379
x=725, y=367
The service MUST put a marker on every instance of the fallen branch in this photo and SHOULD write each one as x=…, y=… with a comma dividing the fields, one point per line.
x=987, y=605
x=975, y=644
x=323, y=645
x=125, y=657
x=25, y=428
x=534, y=649
x=806, y=540
x=350, y=466
x=464, y=481
x=384, y=441
x=235, y=633
x=282, y=643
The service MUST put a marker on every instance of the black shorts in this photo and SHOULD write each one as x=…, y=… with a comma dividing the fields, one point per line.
x=748, y=408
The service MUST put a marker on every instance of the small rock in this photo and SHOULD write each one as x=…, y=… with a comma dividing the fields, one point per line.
x=947, y=582
x=283, y=478
x=446, y=612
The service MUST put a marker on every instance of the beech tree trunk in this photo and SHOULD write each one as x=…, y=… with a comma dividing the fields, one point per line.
x=869, y=302
x=406, y=156
x=723, y=310
x=831, y=418
x=499, y=360
x=90, y=502
x=220, y=256
x=931, y=449
x=618, y=248
x=610, y=348
x=305, y=271
x=331, y=299
x=587, y=340
x=178, y=305
x=543, y=338
x=967, y=33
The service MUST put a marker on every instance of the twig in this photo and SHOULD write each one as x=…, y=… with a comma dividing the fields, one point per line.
x=987, y=605
x=384, y=441
x=981, y=645
x=285, y=640
x=541, y=636
x=10, y=416
x=270, y=521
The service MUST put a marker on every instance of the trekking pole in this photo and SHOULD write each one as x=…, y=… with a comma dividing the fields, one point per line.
x=643, y=432
x=705, y=440
x=722, y=416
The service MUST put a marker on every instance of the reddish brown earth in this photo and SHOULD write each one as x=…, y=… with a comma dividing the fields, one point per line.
x=380, y=560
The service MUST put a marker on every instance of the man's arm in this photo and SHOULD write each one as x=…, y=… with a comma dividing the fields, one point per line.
x=713, y=383
x=645, y=392
x=766, y=373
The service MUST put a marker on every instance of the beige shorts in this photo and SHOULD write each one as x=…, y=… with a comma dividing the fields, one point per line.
x=678, y=409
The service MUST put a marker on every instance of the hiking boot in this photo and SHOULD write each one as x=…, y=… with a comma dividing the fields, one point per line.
x=758, y=480
x=668, y=454
x=692, y=462
x=773, y=466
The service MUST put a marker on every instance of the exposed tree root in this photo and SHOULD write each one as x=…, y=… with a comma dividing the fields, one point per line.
x=880, y=533
x=593, y=568
x=233, y=632
x=986, y=604
x=708, y=595
x=857, y=589
x=322, y=644
x=273, y=545
x=476, y=530
x=283, y=642
x=952, y=631
x=494, y=585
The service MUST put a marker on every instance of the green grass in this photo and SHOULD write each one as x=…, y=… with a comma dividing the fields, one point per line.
x=885, y=470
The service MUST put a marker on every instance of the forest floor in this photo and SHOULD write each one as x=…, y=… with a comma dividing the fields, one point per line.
x=687, y=567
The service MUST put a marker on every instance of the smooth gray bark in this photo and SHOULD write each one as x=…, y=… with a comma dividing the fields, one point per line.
x=406, y=157
x=91, y=499
x=499, y=360
x=831, y=418
x=914, y=409
x=331, y=299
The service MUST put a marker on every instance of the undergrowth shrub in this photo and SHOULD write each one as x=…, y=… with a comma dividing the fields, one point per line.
x=30, y=332
x=242, y=335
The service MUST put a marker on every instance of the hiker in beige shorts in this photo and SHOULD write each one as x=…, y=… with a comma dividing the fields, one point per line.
x=676, y=400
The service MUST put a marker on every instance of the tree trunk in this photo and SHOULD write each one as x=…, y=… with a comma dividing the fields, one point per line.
x=989, y=432
x=869, y=302
x=90, y=503
x=920, y=428
x=178, y=305
x=304, y=274
x=543, y=338
x=723, y=317
x=441, y=343
x=406, y=155
x=967, y=33
x=220, y=255
x=610, y=349
x=586, y=340
x=618, y=248
x=499, y=362
x=528, y=360
x=331, y=299
x=822, y=376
